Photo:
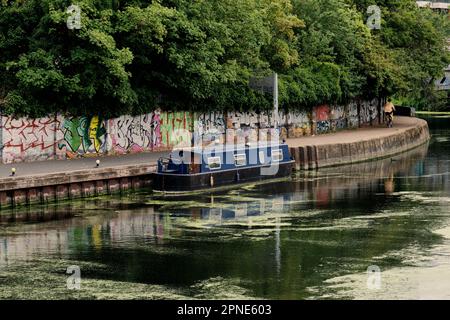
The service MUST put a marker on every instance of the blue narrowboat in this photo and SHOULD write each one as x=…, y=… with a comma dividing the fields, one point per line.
x=196, y=169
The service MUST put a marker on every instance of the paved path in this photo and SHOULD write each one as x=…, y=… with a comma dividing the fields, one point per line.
x=355, y=135
x=53, y=166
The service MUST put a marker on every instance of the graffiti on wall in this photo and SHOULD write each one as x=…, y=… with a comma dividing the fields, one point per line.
x=245, y=125
x=322, y=118
x=337, y=112
x=352, y=115
x=243, y=119
x=83, y=136
x=322, y=113
x=339, y=124
x=30, y=139
x=155, y=125
x=338, y=118
x=209, y=126
x=368, y=111
x=268, y=119
x=323, y=127
x=176, y=128
x=130, y=134
x=298, y=124
x=68, y=137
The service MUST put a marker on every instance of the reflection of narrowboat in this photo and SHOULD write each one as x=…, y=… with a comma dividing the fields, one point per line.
x=195, y=169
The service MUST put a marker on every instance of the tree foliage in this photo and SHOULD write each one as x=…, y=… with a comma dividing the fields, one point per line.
x=133, y=55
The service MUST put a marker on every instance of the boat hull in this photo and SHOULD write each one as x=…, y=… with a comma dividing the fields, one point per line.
x=166, y=182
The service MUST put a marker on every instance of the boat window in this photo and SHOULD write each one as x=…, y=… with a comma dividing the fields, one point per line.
x=277, y=155
x=214, y=163
x=262, y=158
x=240, y=160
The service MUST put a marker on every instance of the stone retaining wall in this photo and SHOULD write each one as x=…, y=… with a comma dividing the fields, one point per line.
x=318, y=156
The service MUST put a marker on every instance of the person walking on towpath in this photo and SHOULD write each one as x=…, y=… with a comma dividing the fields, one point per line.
x=389, y=109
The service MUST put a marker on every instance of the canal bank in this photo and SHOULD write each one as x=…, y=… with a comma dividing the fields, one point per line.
x=360, y=145
x=49, y=181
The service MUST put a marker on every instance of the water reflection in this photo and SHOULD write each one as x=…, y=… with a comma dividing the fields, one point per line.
x=64, y=236
x=284, y=239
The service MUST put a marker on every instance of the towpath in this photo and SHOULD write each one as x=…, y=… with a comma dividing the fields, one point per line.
x=356, y=135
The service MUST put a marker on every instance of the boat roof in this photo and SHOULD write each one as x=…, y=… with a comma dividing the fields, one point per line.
x=228, y=147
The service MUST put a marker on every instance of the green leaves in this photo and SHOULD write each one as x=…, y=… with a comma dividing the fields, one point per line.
x=407, y=52
x=133, y=55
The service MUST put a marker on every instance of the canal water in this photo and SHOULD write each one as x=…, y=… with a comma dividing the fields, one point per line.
x=378, y=230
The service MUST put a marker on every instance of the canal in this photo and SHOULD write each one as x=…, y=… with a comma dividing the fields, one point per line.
x=310, y=236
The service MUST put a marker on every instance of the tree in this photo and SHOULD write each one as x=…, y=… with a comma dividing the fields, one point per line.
x=130, y=56
x=407, y=52
x=48, y=67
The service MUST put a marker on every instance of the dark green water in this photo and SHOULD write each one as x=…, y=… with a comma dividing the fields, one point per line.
x=310, y=236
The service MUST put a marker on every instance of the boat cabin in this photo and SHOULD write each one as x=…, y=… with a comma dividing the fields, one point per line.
x=195, y=169
x=218, y=159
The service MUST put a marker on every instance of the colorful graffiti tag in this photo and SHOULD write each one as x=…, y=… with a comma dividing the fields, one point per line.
x=135, y=134
x=322, y=118
x=155, y=124
x=176, y=128
x=83, y=136
x=323, y=127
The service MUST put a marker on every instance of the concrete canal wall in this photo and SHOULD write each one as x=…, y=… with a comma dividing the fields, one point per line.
x=58, y=186
x=363, y=146
x=66, y=137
